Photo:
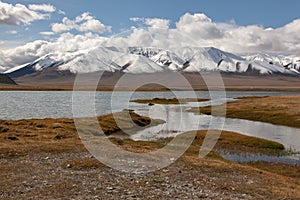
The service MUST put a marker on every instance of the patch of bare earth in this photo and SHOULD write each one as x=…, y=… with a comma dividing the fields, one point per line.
x=45, y=159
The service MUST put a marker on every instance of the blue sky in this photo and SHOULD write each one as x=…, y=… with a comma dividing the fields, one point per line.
x=237, y=26
x=116, y=13
x=272, y=13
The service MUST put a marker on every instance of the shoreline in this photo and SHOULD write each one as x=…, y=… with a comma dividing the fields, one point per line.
x=147, y=82
x=277, y=110
x=110, y=89
x=64, y=168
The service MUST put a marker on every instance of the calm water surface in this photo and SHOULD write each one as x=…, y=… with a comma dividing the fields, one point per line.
x=58, y=104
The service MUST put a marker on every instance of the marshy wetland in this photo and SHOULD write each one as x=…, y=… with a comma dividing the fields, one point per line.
x=63, y=168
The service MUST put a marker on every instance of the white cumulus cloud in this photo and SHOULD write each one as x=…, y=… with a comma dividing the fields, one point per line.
x=153, y=22
x=42, y=7
x=20, y=14
x=191, y=30
x=66, y=25
x=198, y=26
x=33, y=50
x=46, y=33
x=200, y=30
x=82, y=23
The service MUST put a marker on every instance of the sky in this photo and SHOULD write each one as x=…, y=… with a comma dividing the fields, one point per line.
x=29, y=29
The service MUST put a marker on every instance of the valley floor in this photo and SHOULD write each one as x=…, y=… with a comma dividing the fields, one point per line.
x=45, y=159
x=198, y=81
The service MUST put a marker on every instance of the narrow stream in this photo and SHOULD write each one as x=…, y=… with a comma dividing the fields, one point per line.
x=179, y=120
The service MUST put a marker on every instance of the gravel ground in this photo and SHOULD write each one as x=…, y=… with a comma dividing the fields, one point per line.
x=49, y=176
x=45, y=159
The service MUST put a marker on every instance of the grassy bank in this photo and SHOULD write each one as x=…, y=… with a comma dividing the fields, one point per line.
x=168, y=101
x=58, y=135
x=280, y=110
x=64, y=169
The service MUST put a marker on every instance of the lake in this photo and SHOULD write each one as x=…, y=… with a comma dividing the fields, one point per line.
x=60, y=104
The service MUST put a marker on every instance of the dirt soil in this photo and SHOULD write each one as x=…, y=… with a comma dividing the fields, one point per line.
x=51, y=79
x=45, y=159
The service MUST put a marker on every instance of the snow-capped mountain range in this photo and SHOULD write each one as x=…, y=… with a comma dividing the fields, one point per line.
x=150, y=60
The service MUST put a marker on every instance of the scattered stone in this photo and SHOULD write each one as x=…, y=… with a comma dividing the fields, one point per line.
x=59, y=137
x=110, y=188
x=12, y=138
x=3, y=129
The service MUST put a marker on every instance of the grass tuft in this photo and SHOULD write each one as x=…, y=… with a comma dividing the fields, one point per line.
x=275, y=110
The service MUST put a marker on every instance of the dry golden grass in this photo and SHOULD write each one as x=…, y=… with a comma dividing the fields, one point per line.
x=59, y=135
x=21, y=138
x=128, y=122
x=265, y=181
x=281, y=110
x=82, y=164
x=292, y=171
x=238, y=144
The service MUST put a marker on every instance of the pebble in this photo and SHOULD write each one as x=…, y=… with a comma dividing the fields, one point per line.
x=106, y=183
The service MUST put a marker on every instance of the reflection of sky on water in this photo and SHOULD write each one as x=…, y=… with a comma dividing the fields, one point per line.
x=58, y=104
x=179, y=121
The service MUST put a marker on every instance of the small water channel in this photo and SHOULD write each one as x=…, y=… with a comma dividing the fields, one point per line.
x=179, y=120
x=16, y=105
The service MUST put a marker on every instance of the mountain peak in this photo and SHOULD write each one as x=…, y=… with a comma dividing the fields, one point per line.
x=152, y=59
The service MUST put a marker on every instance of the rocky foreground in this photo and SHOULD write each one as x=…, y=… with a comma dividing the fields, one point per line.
x=45, y=159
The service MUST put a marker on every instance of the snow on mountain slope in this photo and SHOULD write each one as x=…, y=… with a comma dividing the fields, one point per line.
x=144, y=51
x=16, y=68
x=164, y=58
x=209, y=59
x=107, y=59
x=266, y=68
x=49, y=60
x=90, y=60
x=198, y=59
x=169, y=59
x=150, y=60
x=289, y=63
x=279, y=60
x=138, y=64
x=195, y=59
